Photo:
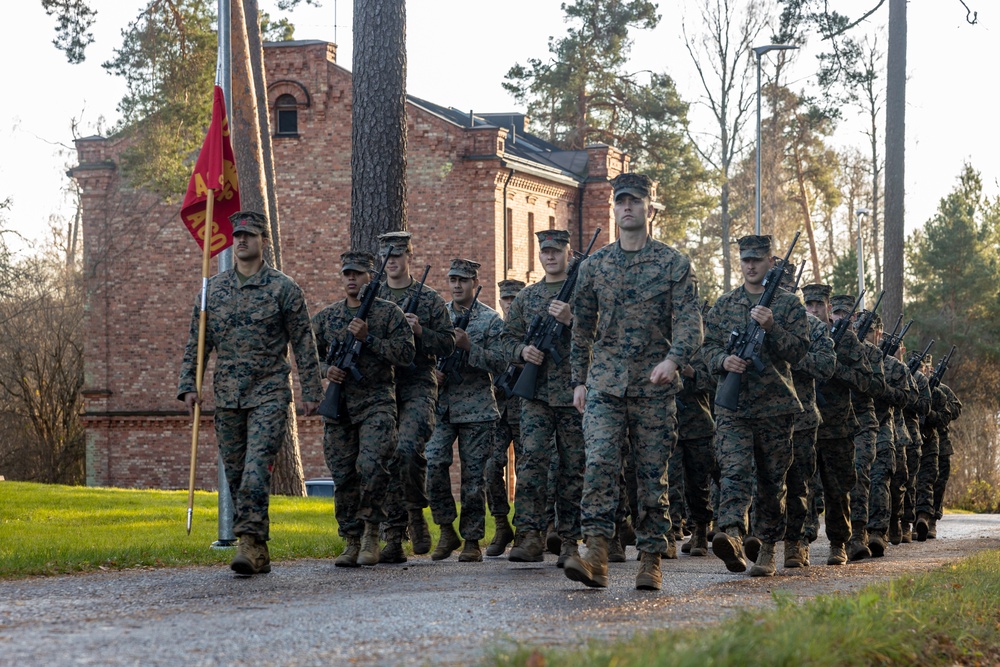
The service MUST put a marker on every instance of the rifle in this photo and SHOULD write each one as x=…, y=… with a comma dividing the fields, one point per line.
x=914, y=363
x=865, y=323
x=704, y=309
x=802, y=269
x=452, y=365
x=840, y=326
x=941, y=369
x=344, y=354
x=551, y=330
x=505, y=381
x=414, y=298
x=748, y=343
x=891, y=344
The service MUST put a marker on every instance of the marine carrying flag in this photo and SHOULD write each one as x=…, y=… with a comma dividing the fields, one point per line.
x=215, y=170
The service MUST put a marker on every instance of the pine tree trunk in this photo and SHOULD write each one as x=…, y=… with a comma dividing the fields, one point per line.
x=895, y=145
x=378, y=121
x=250, y=131
x=727, y=266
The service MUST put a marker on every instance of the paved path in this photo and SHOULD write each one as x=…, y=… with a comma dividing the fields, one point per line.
x=310, y=613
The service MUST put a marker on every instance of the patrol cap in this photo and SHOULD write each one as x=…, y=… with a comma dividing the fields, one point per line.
x=249, y=222
x=754, y=247
x=400, y=242
x=464, y=268
x=637, y=185
x=816, y=292
x=552, y=238
x=510, y=288
x=357, y=260
x=842, y=302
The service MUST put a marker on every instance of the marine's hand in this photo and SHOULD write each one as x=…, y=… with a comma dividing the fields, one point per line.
x=664, y=372
x=462, y=341
x=533, y=355
x=762, y=316
x=560, y=310
x=580, y=397
x=336, y=375
x=734, y=364
x=359, y=328
x=414, y=322
x=190, y=399
x=309, y=407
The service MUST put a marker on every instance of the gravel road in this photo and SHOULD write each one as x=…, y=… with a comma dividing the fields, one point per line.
x=308, y=612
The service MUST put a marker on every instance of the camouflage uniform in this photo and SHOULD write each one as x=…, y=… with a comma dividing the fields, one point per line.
x=250, y=326
x=902, y=443
x=834, y=443
x=695, y=451
x=359, y=445
x=758, y=434
x=913, y=416
x=866, y=436
x=928, y=473
x=631, y=313
x=416, y=395
x=896, y=395
x=551, y=427
x=952, y=411
x=468, y=412
x=818, y=365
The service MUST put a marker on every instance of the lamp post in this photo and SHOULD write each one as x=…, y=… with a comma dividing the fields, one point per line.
x=861, y=213
x=759, y=51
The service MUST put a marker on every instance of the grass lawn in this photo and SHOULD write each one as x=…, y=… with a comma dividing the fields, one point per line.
x=51, y=529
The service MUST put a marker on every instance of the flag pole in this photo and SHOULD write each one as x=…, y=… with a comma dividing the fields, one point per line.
x=206, y=256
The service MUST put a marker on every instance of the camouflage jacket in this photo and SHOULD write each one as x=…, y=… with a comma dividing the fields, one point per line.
x=437, y=340
x=853, y=373
x=473, y=399
x=631, y=314
x=953, y=410
x=864, y=402
x=250, y=327
x=391, y=344
x=694, y=401
x=899, y=388
x=770, y=392
x=818, y=365
x=555, y=383
x=916, y=410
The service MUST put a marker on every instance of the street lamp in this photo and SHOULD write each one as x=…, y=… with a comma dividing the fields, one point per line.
x=759, y=51
x=861, y=213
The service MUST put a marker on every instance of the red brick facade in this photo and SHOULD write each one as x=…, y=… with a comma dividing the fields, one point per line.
x=475, y=190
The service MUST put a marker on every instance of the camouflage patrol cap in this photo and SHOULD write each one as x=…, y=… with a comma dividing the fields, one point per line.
x=357, y=260
x=400, y=242
x=249, y=222
x=464, y=268
x=842, y=302
x=754, y=247
x=816, y=292
x=553, y=238
x=637, y=185
x=510, y=288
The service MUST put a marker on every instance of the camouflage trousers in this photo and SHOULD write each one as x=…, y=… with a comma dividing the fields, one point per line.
x=358, y=457
x=913, y=452
x=944, y=472
x=897, y=486
x=883, y=469
x=650, y=427
x=753, y=451
x=864, y=457
x=249, y=439
x=928, y=473
x=798, y=480
x=694, y=459
x=507, y=431
x=835, y=461
x=408, y=467
x=475, y=442
x=550, y=433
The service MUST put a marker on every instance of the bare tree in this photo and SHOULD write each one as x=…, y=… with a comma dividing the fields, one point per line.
x=722, y=55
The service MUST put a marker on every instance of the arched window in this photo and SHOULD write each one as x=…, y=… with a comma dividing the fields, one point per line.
x=287, y=113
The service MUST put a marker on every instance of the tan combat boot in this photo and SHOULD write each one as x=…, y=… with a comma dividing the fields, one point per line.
x=471, y=553
x=616, y=550
x=671, y=552
x=838, y=555
x=877, y=544
x=857, y=549
x=553, y=543
x=591, y=570
x=922, y=526
x=895, y=532
x=569, y=550
x=251, y=557
x=393, y=551
x=349, y=557
x=649, y=577
x=369, y=554
x=751, y=547
x=729, y=547
x=448, y=542
x=793, y=554
x=932, y=529
x=529, y=549
x=905, y=533
x=420, y=537
x=501, y=538
x=764, y=566
x=698, y=544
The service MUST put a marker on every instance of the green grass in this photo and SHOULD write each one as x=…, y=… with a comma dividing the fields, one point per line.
x=51, y=529
x=950, y=616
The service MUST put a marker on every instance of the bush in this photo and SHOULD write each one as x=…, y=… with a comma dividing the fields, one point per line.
x=979, y=497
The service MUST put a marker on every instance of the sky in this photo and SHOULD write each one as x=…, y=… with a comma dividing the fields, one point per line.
x=458, y=52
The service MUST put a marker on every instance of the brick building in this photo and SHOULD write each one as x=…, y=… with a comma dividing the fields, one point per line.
x=478, y=187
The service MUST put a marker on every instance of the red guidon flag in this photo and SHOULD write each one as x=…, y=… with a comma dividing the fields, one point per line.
x=216, y=170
